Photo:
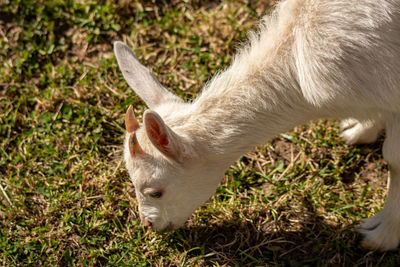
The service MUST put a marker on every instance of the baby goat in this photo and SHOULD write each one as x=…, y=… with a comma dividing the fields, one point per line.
x=310, y=59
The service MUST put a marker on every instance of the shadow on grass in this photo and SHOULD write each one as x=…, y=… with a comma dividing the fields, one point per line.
x=239, y=242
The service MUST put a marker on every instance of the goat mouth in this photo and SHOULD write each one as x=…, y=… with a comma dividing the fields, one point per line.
x=169, y=227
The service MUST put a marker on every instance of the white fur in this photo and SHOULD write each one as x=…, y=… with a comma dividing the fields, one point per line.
x=310, y=59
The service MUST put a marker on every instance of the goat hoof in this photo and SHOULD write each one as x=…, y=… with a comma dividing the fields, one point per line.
x=379, y=233
x=353, y=132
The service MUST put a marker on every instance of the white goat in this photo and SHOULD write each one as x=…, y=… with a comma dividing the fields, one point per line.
x=311, y=59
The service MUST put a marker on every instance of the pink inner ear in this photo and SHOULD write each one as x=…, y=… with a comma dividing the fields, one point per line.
x=155, y=133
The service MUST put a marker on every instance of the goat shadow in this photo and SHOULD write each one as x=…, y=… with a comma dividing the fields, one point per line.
x=314, y=243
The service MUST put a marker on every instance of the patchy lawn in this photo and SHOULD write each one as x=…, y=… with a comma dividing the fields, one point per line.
x=65, y=197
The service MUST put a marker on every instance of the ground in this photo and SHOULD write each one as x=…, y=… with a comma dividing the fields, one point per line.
x=65, y=197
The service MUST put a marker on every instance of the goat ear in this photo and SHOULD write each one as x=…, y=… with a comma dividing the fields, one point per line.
x=163, y=138
x=140, y=78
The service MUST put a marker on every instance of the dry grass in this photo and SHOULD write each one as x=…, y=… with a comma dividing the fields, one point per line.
x=65, y=198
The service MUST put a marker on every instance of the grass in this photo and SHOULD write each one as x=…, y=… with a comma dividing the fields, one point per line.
x=65, y=197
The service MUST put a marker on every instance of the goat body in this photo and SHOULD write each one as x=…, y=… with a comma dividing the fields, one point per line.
x=310, y=59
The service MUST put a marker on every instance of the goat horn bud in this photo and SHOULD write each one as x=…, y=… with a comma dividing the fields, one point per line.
x=131, y=123
x=134, y=147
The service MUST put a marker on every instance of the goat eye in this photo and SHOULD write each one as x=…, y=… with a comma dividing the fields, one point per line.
x=157, y=194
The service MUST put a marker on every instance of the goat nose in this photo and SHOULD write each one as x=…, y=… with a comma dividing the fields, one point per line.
x=146, y=222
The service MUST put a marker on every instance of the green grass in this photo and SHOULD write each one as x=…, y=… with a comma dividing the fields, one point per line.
x=65, y=196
